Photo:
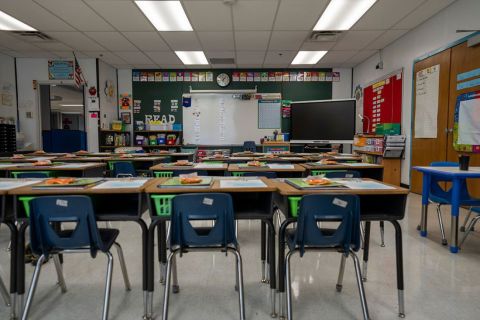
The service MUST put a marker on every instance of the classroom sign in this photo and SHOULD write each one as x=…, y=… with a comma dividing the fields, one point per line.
x=60, y=69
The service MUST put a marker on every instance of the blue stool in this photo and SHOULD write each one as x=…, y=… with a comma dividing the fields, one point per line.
x=48, y=241
x=345, y=239
x=220, y=237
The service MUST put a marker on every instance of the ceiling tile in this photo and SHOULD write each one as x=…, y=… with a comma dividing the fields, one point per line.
x=34, y=15
x=422, y=13
x=123, y=15
x=249, y=66
x=361, y=56
x=181, y=40
x=105, y=56
x=77, y=13
x=34, y=54
x=251, y=40
x=385, y=13
x=77, y=40
x=216, y=40
x=53, y=46
x=299, y=14
x=69, y=54
x=276, y=65
x=318, y=46
x=279, y=57
x=356, y=40
x=254, y=15
x=250, y=57
x=113, y=41
x=287, y=40
x=337, y=56
x=14, y=43
x=163, y=57
x=147, y=41
x=146, y=66
x=208, y=15
x=220, y=54
x=134, y=57
x=385, y=39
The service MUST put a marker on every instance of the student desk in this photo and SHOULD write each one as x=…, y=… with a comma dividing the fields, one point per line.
x=233, y=159
x=212, y=169
x=82, y=159
x=141, y=163
x=339, y=158
x=456, y=176
x=375, y=205
x=112, y=204
x=296, y=170
x=250, y=203
x=25, y=159
x=282, y=159
x=174, y=156
x=64, y=169
x=366, y=170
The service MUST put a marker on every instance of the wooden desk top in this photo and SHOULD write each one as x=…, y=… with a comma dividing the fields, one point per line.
x=59, y=167
x=164, y=167
x=287, y=190
x=82, y=159
x=139, y=159
x=235, y=168
x=29, y=190
x=153, y=188
x=341, y=166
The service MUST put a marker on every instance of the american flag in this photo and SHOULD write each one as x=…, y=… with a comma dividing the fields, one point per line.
x=78, y=74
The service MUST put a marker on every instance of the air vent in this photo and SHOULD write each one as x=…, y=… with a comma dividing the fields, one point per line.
x=34, y=35
x=222, y=60
x=325, y=36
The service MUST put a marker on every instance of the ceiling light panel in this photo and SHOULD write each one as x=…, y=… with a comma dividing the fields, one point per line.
x=308, y=57
x=165, y=15
x=192, y=57
x=343, y=14
x=9, y=23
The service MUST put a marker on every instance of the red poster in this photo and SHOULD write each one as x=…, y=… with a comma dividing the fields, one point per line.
x=382, y=102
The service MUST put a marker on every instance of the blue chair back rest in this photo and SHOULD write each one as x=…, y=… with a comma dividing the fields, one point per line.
x=123, y=168
x=267, y=174
x=437, y=191
x=203, y=173
x=49, y=210
x=342, y=174
x=249, y=146
x=202, y=206
x=32, y=174
x=344, y=209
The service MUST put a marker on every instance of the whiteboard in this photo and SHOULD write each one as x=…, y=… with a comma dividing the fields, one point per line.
x=219, y=119
x=426, y=102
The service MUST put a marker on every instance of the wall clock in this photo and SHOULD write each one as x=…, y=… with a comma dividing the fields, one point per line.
x=223, y=80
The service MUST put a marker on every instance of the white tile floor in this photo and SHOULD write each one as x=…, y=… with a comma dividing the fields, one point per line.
x=439, y=285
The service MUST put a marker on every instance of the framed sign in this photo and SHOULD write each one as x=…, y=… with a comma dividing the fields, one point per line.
x=466, y=127
x=126, y=117
x=60, y=69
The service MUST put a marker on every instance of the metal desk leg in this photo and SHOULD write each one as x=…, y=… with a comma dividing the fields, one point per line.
x=399, y=258
x=21, y=267
x=455, y=210
x=263, y=228
x=271, y=264
x=144, y=228
x=281, y=269
x=366, y=249
x=425, y=193
x=13, y=269
x=148, y=295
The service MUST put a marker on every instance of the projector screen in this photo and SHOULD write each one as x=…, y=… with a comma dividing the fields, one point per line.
x=323, y=121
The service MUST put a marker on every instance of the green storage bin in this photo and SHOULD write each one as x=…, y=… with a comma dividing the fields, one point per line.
x=163, y=204
x=294, y=205
x=26, y=204
x=238, y=174
x=322, y=172
x=163, y=174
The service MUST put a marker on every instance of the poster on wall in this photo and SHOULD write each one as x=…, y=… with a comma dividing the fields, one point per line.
x=209, y=76
x=426, y=102
x=173, y=105
x=137, y=106
x=157, y=105
x=136, y=76
x=158, y=76
x=125, y=101
x=60, y=69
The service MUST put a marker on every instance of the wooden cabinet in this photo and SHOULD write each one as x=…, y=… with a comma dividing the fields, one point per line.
x=275, y=146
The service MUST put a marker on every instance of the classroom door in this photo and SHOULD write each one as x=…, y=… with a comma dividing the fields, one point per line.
x=424, y=151
x=463, y=59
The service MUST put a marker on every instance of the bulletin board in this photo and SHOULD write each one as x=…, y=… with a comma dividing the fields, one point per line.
x=382, y=101
x=466, y=128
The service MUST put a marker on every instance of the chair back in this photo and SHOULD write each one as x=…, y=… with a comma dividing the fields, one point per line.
x=50, y=210
x=202, y=207
x=202, y=173
x=123, y=169
x=30, y=174
x=437, y=193
x=342, y=174
x=267, y=174
x=344, y=209
x=249, y=146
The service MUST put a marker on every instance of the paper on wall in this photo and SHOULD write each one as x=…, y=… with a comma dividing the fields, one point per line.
x=426, y=98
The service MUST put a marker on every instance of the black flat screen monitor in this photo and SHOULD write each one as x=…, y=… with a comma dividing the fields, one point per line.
x=323, y=121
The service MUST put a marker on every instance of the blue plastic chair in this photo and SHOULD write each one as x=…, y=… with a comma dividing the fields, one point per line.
x=249, y=146
x=48, y=240
x=185, y=237
x=123, y=169
x=342, y=174
x=441, y=197
x=344, y=209
x=472, y=223
x=31, y=174
x=202, y=173
x=266, y=174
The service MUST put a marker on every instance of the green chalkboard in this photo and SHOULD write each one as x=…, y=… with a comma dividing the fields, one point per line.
x=147, y=92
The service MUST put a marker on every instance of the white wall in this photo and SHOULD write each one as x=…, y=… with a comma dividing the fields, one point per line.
x=30, y=69
x=8, y=99
x=125, y=86
x=343, y=88
x=437, y=32
x=107, y=76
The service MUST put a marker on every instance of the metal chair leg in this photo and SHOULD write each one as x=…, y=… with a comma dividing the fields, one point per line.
x=361, y=289
x=288, y=285
x=469, y=229
x=382, y=234
x=467, y=217
x=123, y=266
x=108, y=286
x=440, y=222
x=239, y=268
x=175, y=286
x=5, y=293
x=59, y=269
x=340, y=273
x=33, y=287
x=362, y=236
x=167, y=285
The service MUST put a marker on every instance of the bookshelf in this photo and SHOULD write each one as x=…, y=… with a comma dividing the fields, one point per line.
x=111, y=139
x=158, y=139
